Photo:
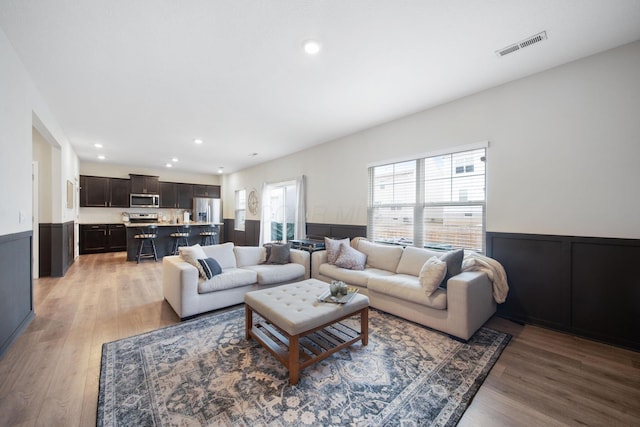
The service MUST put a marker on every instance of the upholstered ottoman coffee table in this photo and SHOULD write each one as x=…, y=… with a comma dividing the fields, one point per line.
x=298, y=329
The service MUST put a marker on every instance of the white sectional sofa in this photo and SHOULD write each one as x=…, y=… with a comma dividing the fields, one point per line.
x=243, y=270
x=391, y=280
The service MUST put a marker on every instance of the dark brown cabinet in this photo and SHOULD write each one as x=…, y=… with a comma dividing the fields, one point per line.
x=168, y=198
x=206, y=191
x=184, y=194
x=99, y=238
x=116, y=237
x=119, y=193
x=144, y=184
x=99, y=191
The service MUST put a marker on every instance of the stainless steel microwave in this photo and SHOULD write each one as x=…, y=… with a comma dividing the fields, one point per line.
x=145, y=201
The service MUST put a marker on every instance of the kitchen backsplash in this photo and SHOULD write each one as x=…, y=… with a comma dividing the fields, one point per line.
x=114, y=215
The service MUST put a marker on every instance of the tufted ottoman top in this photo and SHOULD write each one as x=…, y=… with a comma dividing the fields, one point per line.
x=295, y=308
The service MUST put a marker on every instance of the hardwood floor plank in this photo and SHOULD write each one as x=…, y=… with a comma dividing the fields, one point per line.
x=50, y=375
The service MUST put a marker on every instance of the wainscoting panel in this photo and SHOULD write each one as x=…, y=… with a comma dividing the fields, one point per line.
x=251, y=235
x=606, y=296
x=56, y=248
x=16, y=286
x=582, y=285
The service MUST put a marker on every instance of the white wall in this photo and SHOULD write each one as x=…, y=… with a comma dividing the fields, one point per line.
x=563, y=154
x=21, y=108
x=42, y=155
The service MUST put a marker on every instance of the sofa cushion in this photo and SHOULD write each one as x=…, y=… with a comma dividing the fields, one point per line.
x=223, y=254
x=432, y=274
x=384, y=257
x=333, y=248
x=351, y=277
x=454, y=264
x=408, y=288
x=249, y=255
x=229, y=278
x=210, y=266
x=279, y=253
x=350, y=258
x=270, y=274
x=413, y=259
x=192, y=254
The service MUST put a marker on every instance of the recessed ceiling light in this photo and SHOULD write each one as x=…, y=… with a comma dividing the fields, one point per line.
x=168, y=165
x=97, y=145
x=101, y=157
x=220, y=168
x=175, y=159
x=197, y=141
x=312, y=47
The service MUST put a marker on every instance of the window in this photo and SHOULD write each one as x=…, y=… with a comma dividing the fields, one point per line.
x=434, y=202
x=241, y=209
x=283, y=211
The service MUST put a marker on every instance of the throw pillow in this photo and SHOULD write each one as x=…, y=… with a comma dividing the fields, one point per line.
x=333, y=248
x=192, y=254
x=210, y=266
x=432, y=273
x=279, y=254
x=350, y=258
x=454, y=265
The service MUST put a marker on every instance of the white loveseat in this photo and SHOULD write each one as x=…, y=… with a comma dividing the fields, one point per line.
x=391, y=280
x=243, y=270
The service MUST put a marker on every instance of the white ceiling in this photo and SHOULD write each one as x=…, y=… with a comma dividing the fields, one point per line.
x=146, y=77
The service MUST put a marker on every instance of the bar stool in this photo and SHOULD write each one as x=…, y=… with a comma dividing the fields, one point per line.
x=147, y=235
x=209, y=236
x=180, y=238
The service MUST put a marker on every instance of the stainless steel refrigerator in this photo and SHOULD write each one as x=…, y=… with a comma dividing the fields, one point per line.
x=206, y=209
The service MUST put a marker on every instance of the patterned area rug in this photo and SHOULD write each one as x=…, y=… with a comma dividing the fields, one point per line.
x=204, y=373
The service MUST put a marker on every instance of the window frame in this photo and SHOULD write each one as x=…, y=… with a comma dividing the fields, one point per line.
x=415, y=234
x=240, y=211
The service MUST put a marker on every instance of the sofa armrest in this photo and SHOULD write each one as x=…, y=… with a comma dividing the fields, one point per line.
x=303, y=258
x=180, y=285
x=317, y=259
x=470, y=301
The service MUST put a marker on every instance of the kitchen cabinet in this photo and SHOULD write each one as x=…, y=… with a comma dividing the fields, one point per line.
x=184, y=193
x=144, y=184
x=206, y=191
x=119, y=192
x=100, y=238
x=176, y=195
x=99, y=191
x=168, y=197
x=93, y=238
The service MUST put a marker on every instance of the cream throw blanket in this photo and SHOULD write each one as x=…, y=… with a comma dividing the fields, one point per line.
x=474, y=261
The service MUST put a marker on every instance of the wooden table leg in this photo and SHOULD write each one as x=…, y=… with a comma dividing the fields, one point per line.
x=294, y=362
x=364, y=326
x=248, y=321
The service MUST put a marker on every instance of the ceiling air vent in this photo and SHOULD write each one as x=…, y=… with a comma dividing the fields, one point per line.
x=522, y=44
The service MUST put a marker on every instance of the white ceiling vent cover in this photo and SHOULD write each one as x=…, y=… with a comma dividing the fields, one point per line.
x=522, y=44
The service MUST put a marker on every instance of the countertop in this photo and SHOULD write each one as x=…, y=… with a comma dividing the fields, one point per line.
x=168, y=224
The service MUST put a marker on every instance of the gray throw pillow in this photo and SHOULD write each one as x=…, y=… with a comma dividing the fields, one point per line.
x=454, y=264
x=350, y=258
x=279, y=254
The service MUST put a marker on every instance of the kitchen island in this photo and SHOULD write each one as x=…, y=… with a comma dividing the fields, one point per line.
x=164, y=242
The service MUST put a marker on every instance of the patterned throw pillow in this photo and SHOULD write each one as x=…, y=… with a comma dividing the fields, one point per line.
x=333, y=248
x=192, y=254
x=432, y=273
x=350, y=258
x=454, y=265
x=210, y=266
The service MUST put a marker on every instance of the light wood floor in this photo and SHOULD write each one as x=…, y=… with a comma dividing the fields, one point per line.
x=49, y=377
